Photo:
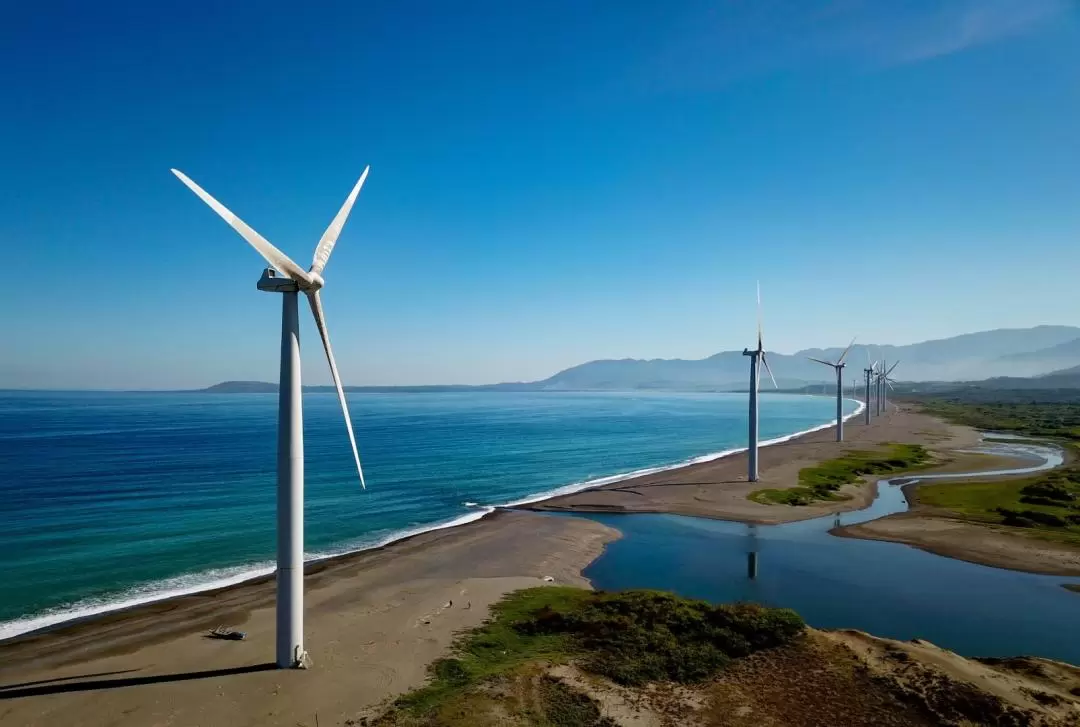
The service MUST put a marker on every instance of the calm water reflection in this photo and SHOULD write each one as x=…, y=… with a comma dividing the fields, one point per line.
x=886, y=589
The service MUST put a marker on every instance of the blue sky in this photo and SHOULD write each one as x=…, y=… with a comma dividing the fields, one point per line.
x=551, y=182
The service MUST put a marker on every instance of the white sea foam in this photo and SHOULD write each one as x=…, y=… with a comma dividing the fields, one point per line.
x=221, y=577
x=209, y=580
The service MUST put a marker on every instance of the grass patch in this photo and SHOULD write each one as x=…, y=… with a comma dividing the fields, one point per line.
x=1056, y=421
x=1074, y=587
x=631, y=637
x=1045, y=505
x=821, y=482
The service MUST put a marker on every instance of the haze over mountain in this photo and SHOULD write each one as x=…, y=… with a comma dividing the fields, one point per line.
x=1022, y=352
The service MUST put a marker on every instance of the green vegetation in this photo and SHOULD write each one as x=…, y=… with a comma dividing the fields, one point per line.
x=822, y=481
x=1040, y=419
x=632, y=638
x=1047, y=505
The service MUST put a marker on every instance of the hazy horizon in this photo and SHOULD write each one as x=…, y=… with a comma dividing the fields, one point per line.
x=550, y=183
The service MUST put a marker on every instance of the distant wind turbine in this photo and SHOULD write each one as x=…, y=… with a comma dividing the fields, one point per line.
x=757, y=357
x=880, y=383
x=869, y=371
x=839, y=367
x=290, y=455
x=886, y=381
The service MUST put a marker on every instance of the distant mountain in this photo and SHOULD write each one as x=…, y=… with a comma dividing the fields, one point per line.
x=967, y=357
x=1053, y=358
x=242, y=387
x=1071, y=371
x=265, y=387
x=1005, y=353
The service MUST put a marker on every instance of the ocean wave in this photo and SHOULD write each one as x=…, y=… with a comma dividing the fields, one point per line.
x=208, y=580
x=220, y=577
x=601, y=481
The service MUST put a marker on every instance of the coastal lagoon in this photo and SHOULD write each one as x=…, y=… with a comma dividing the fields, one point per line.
x=887, y=589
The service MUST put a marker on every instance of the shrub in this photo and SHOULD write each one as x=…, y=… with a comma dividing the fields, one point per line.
x=1051, y=489
x=1035, y=500
x=1030, y=518
x=1044, y=518
x=634, y=637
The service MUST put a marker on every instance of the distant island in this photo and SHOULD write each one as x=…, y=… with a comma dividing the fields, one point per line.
x=1035, y=358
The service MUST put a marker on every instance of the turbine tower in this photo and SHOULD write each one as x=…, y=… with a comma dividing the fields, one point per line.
x=839, y=367
x=869, y=371
x=757, y=357
x=880, y=388
x=886, y=381
x=290, y=457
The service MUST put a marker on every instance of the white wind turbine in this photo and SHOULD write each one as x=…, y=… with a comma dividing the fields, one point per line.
x=290, y=457
x=839, y=366
x=887, y=382
x=870, y=371
x=757, y=357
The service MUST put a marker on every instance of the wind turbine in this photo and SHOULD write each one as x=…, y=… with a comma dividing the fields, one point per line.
x=881, y=389
x=757, y=357
x=869, y=371
x=886, y=382
x=839, y=367
x=290, y=455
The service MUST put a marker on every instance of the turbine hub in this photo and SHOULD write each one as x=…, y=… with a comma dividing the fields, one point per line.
x=317, y=281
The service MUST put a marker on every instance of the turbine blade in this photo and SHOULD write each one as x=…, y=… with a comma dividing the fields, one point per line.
x=845, y=353
x=320, y=323
x=827, y=363
x=270, y=253
x=891, y=368
x=766, y=362
x=759, y=316
x=329, y=238
x=889, y=382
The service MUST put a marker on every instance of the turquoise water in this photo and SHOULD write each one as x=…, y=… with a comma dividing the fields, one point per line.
x=887, y=589
x=117, y=498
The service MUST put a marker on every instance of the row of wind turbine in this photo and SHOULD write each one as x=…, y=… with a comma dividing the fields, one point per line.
x=876, y=381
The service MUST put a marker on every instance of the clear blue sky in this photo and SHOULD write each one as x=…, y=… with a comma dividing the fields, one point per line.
x=551, y=181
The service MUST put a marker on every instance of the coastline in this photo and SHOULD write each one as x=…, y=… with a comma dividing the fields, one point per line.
x=228, y=577
x=997, y=547
x=782, y=457
x=719, y=488
x=377, y=617
x=374, y=621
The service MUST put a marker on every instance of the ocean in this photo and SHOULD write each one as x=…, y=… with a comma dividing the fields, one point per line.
x=114, y=499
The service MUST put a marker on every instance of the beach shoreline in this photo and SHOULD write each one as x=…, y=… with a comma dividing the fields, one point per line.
x=375, y=617
x=256, y=573
x=793, y=452
x=951, y=537
x=719, y=489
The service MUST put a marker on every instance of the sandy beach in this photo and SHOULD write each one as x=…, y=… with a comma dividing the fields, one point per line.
x=719, y=489
x=376, y=619
x=938, y=532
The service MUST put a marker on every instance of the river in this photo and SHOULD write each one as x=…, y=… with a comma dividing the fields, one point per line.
x=887, y=589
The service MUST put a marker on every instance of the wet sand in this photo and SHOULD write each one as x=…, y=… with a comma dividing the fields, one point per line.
x=719, y=489
x=374, y=621
x=942, y=533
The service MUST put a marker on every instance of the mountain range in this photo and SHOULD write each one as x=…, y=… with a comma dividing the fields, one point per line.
x=1007, y=352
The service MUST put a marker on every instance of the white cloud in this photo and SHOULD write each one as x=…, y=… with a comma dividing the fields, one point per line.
x=959, y=26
